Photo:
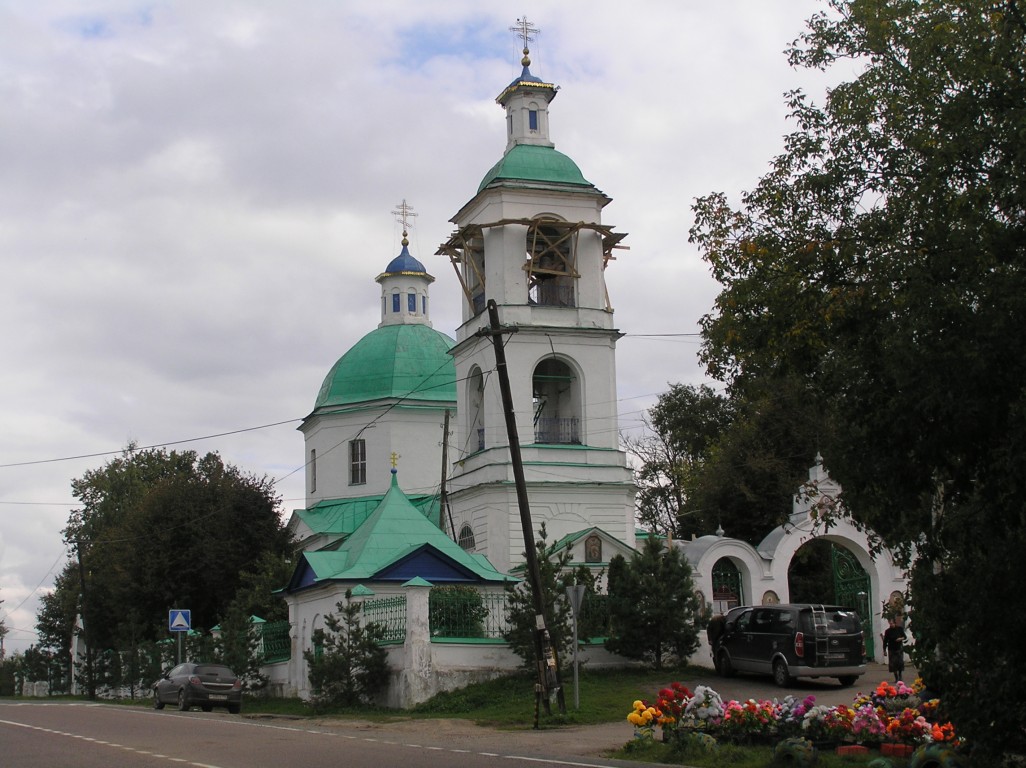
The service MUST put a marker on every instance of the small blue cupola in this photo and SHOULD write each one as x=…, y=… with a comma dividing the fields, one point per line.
x=526, y=100
x=405, y=281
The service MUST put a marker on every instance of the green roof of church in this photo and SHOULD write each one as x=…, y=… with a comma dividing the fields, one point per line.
x=395, y=529
x=394, y=361
x=343, y=516
x=530, y=162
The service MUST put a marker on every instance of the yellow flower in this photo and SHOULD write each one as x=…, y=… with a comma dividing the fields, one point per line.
x=635, y=719
x=638, y=705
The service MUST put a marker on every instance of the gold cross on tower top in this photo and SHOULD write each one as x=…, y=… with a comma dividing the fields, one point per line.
x=403, y=213
x=526, y=31
x=395, y=459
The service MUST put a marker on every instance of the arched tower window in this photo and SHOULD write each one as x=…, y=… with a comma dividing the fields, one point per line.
x=475, y=403
x=466, y=538
x=557, y=404
x=551, y=264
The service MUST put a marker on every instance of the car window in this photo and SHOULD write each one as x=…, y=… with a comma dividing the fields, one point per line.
x=176, y=671
x=762, y=619
x=213, y=670
x=743, y=621
x=843, y=622
x=783, y=621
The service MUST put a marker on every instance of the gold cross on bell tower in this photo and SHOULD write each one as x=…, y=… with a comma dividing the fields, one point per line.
x=395, y=459
x=526, y=31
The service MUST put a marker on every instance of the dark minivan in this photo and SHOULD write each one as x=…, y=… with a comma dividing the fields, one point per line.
x=789, y=641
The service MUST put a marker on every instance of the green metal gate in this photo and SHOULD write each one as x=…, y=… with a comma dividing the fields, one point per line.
x=851, y=589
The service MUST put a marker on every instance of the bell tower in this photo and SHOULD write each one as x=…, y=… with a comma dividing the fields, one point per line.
x=532, y=239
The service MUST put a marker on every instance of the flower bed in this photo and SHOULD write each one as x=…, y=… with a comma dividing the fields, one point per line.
x=892, y=716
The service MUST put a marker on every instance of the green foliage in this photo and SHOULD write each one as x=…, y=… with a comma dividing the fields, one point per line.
x=685, y=424
x=556, y=575
x=456, y=611
x=238, y=646
x=654, y=612
x=348, y=666
x=880, y=265
x=162, y=529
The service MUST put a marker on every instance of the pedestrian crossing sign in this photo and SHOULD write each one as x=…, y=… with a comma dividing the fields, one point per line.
x=179, y=620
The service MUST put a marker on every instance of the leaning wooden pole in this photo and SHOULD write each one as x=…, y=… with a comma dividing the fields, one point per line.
x=548, y=668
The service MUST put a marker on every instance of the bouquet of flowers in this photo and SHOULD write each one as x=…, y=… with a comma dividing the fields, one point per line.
x=790, y=713
x=644, y=719
x=909, y=727
x=705, y=709
x=749, y=718
x=867, y=725
x=671, y=702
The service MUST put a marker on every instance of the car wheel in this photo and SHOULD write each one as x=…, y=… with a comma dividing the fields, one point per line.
x=234, y=709
x=183, y=705
x=723, y=665
x=847, y=680
x=780, y=674
x=157, y=703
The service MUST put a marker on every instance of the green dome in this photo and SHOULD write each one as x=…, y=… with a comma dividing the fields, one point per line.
x=530, y=162
x=394, y=361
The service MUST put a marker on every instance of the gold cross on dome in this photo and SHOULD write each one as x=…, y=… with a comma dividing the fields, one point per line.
x=403, y=213
x=525, y=30
x=395, y=459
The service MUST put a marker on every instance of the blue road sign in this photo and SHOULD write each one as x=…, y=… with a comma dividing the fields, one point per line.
x=179, y=620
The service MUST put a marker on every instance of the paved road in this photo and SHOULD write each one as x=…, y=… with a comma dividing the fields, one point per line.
x=62, y=735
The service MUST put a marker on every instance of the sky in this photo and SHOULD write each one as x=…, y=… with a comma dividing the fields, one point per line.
x=196, y=197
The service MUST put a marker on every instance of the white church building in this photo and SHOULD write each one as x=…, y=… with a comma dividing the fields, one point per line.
x=531, y=239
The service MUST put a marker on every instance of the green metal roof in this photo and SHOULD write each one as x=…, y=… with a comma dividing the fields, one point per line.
x=394, y=361
x=530, y=162
x=343, y=516
x=395, y=529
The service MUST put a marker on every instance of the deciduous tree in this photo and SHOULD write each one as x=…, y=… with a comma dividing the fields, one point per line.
x=881, y=262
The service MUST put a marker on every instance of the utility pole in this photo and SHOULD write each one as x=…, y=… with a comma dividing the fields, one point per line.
x=86, y=622
x=443, y=495
x=545, y=654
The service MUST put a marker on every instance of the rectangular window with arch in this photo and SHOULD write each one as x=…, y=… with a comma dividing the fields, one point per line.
x=411, y=303
x=357, y=462
x=395, y=302
x=313, y=470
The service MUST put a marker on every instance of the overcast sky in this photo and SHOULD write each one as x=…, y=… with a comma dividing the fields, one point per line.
x=195, y=198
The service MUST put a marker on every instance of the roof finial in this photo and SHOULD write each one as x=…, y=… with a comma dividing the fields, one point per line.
x=403, y=213
x=395, y=461
x=526, y=31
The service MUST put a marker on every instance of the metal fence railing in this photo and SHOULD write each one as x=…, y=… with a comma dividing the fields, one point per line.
x=390, y=614
x=277, y=645
x=465, y=612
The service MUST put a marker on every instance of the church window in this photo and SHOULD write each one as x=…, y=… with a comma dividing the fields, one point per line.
x=423, y=305
x=313, y=470
x=395, y=302
x=357, y=462
x=532, y=119
x=557, y=404
x=466, y=538
x=551, y=263
x=411, y=303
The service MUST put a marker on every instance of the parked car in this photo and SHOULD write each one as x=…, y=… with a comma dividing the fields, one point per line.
x=199, y=685
x=789, y=641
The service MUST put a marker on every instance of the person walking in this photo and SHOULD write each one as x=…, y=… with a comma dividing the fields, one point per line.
x=894, y=647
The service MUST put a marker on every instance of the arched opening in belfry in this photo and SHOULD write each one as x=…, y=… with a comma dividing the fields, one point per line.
x=557, y=403
x=551, y=263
